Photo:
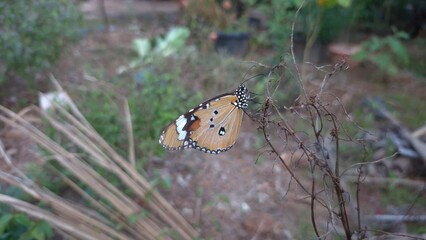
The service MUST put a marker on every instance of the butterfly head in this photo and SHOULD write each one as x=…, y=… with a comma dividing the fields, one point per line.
x=243, y=96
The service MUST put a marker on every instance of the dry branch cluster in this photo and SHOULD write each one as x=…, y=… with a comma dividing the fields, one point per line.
x=318, y=145
x=110, y=212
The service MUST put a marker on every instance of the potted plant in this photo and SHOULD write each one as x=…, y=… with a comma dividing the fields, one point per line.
x=233, y=38
x=228, y=28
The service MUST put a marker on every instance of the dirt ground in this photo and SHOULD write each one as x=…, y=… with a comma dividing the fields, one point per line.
x=230, y=195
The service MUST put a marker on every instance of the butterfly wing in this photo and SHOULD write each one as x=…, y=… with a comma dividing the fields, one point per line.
x=219, y=125
x=212, y=127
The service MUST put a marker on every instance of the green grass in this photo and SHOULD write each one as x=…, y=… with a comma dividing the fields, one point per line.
x=418, y=61
x=400, y=197
x=416, y=228
x=407, y=109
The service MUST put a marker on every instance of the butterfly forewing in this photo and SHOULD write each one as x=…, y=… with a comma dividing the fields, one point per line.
x=220, y=124
x=169, y=137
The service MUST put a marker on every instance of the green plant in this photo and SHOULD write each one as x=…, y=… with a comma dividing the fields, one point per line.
x=280, y=18
x=406, y=109
x=153, y=104
x=152, y=99
x=101, y=109
x=377, y=16
x=399, y=197
x=388, y=53
x=213, y=15
x=320, y=20
x=335, y=20
x=104, y=210
x=34, y=33
x=20, y=226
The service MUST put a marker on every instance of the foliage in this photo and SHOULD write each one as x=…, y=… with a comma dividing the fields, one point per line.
x=153, y=105
x=20, y=226
x=280, y=17
x=377, y=16
x=204, y=13
x=99, y=109
x=388, y=53
x=400, y=197
x=148, y=49
x=103, y=210
x=34, y=33
x=213, y=14
x=417, y=51
x=152, y=99
x=406, y=109
x=330, y=28
x=325, y=19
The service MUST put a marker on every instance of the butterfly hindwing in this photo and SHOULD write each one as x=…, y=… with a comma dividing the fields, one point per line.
x=211, y=127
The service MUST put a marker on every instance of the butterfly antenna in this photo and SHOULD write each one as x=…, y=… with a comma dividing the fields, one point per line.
x=245, y=74
x=255, y=76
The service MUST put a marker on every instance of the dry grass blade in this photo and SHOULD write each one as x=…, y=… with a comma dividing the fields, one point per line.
x=75, y=230
x=107, y=211
x=129, y=128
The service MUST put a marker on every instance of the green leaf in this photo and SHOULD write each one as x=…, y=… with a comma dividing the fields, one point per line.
x=385, y=63
x=166, y=182
x=374, y=44
x=360, y=56
x=399, y=50
x=344, y=3
x=22, y=219
x=132, y=218
x=45, y=228
x=142, y=46
x=382, y=60
x=37, y=234
x=4, y=222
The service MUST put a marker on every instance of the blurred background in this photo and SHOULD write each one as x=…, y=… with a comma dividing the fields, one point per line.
x=132, y=66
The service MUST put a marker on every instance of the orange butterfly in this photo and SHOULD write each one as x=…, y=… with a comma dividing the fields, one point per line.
x=212, y=127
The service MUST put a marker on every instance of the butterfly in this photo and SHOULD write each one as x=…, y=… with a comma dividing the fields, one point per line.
x=211, y=127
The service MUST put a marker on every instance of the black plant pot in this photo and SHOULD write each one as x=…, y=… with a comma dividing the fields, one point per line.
x=235, y=43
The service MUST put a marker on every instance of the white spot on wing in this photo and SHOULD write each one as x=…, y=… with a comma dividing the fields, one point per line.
x=180, y=124
x=182, y=135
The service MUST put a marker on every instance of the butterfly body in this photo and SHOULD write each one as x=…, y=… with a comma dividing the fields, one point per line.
x=211, y=127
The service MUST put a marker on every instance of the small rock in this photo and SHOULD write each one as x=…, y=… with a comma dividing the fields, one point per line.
x=187, y=212
x=262, y=197
x=183, y=181
x=245, y=207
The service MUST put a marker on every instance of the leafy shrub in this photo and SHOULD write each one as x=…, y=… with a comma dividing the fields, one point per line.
x=33, y=33
x=335, y=20
x=152, y=98
x=280, y=18
x=388, y=53
x=155, y=103
x=20, y=226
x=101, y=110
